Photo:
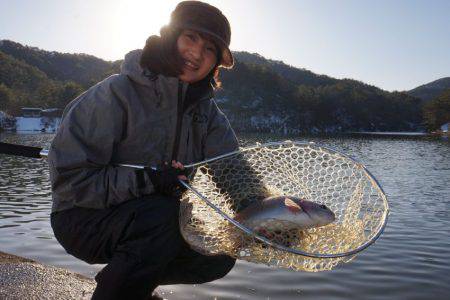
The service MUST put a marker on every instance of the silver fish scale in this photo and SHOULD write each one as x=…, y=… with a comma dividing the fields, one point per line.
x=292, y=169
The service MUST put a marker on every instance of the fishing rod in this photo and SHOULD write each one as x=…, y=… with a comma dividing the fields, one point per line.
x=37, y=152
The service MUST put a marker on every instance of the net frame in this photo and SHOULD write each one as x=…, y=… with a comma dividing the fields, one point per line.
x=289, y=257
x=255, y=235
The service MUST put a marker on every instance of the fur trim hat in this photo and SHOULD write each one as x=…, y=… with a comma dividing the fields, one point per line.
x=207, y=19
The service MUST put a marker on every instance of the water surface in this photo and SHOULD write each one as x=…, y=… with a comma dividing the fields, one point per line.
x=409, y=261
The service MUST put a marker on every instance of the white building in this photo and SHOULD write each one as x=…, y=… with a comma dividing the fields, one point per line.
x=37, y=119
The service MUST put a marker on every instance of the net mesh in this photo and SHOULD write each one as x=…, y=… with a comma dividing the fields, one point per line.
x=306, y=171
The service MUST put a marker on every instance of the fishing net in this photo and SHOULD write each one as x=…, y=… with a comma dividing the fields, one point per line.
x=232, y=182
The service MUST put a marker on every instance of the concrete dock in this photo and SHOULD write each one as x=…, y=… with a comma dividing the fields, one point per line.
x=22, y=278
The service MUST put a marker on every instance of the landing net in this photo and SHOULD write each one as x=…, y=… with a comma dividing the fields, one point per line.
x=234, y=181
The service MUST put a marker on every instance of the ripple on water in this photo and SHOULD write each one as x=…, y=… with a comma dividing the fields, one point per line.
x=410, y=261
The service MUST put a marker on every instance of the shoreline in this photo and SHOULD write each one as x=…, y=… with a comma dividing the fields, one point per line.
x=23, y=278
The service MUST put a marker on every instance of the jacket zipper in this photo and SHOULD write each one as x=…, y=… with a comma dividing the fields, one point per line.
x=176, y=144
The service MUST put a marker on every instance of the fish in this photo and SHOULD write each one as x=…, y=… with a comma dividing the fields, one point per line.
x=284, y=213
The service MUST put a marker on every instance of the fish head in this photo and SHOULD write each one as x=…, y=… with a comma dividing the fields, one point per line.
x=317, y=214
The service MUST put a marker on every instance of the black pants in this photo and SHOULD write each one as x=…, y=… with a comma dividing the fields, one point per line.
x=141, y=244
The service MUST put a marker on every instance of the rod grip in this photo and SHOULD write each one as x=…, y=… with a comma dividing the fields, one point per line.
x=20, y=150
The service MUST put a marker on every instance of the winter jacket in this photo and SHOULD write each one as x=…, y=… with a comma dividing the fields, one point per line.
x=134, y=117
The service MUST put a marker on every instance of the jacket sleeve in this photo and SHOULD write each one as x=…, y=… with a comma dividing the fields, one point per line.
x=80, y=156
x=220, y=137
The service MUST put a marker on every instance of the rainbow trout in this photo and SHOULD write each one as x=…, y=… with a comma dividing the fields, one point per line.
x=282, y=213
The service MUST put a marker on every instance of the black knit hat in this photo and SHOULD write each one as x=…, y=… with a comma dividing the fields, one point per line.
x=207, y=19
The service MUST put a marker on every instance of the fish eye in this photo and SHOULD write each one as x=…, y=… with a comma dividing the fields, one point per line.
x=323, y=206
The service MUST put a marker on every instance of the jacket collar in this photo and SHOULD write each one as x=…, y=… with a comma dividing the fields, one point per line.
x=131, y=67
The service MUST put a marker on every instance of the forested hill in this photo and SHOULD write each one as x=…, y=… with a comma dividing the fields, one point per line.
x=431, y=90
x=266, y=94
x=81, y=68
x=257, y=94
x=295, y=75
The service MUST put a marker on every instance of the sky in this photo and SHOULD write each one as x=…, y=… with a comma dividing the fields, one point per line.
x=393, y=44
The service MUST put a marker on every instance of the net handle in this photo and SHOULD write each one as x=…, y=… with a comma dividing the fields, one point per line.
x=265, y=240
x=44, y=153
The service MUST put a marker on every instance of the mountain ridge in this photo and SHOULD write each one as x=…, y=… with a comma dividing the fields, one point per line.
x=258, y=94
x=431, y=89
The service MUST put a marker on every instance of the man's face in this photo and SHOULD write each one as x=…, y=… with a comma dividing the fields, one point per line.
x=198, y=54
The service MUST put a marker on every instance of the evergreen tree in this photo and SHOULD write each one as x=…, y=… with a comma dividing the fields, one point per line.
x=437, y=111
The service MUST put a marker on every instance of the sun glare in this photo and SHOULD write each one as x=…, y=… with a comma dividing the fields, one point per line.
x=138, y=19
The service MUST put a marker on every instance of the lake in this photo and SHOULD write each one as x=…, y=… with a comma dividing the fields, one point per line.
x=411, y=260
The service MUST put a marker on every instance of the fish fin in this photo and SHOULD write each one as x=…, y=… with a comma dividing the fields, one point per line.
x=292, y=206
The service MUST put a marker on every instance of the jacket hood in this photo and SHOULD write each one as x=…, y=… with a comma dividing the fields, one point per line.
x=131, y=67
